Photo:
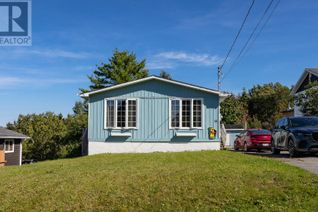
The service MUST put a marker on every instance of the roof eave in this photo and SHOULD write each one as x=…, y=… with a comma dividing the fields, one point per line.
x=221, y=94
x=14, y=137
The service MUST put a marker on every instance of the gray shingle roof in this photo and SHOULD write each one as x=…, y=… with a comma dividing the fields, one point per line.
x=5, y=133
x=312, y=70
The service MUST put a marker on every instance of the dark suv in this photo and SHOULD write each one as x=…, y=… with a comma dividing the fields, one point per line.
x=295, y=134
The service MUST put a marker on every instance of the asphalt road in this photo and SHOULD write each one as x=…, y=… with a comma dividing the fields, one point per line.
x=307, y=162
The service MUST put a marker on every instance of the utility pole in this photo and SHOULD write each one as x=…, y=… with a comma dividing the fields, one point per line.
x=219, y=77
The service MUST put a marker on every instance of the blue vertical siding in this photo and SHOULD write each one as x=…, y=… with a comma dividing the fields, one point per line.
x=153, y=112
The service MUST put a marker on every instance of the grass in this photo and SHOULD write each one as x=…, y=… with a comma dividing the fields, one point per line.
x=208, y=180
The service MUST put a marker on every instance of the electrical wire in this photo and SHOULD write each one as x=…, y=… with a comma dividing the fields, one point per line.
x=249, y=39
x=247, y=47
x=238, y=34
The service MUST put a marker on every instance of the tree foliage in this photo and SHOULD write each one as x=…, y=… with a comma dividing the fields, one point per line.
x=80, y=107
x=259, y=107
x=308, y=101
x=165, y=75
x=231, y=110
x=47, y=131
x=122, y=67
x=52, y=135
x=268, y=101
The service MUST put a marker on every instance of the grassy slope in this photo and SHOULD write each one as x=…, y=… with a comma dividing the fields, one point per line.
x=167, y=181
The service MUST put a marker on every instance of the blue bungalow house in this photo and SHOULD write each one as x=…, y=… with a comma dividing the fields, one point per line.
x=153, y=114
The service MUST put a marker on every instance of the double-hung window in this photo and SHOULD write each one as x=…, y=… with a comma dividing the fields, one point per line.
x=186, y=113
x=9, y=145
x=120, y=113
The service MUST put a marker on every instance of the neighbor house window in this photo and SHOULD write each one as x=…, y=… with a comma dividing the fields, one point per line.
x=186, y=113
x=9, y=145
x=120, y=113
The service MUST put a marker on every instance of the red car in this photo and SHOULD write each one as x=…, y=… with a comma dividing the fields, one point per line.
x=257, y=139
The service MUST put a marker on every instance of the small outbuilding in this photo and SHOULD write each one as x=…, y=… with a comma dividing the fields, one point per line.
x=11, y=147
x=153, y=114
x=232, y=130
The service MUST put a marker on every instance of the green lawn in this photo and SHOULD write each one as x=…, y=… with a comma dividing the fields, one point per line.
x=207, y=180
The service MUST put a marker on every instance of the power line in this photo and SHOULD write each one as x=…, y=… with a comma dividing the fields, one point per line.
x=265, y=23
x=245, y=49
x=249, y=39
x=238, y=34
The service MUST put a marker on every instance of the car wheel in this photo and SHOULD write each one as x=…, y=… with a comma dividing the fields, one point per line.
x=236, y=148
x=245, y=147
x=273, y=149
x=292, y=148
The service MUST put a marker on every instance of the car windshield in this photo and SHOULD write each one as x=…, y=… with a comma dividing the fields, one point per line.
x=303, y=122
x=260, y=132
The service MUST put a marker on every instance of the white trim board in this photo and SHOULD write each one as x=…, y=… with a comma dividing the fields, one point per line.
x=147, y=147
x=222, y=94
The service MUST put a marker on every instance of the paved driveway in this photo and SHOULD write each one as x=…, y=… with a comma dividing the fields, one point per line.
x=307, y=162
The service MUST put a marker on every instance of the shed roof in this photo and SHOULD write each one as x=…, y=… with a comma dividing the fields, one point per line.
x=233, y=127
x=313, y=71
x=5, y=133
x=222, y=94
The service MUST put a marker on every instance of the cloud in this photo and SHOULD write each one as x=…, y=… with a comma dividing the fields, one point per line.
x=7, y=82
x=159, y=64
x=48, y=53
x=171, y=59
x=56, y=53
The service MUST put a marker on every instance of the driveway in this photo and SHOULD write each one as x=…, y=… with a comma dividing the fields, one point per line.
x=307, y=162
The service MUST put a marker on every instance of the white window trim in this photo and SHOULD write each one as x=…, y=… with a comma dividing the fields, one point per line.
x=126, y=114
x=191, y=114
x=8, y=140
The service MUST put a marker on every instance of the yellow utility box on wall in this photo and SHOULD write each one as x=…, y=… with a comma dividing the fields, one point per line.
x=212, y=133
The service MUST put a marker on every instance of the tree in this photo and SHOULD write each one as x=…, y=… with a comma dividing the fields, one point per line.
x=47, y=131
x=165, y=75
x=308, y=101
x=244, y=100
x=72, y=142
x=267, y=101
x=231, y=110
x=80, y=107
x=122, y=67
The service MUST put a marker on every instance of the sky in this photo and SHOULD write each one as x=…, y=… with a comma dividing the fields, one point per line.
x=186, y=38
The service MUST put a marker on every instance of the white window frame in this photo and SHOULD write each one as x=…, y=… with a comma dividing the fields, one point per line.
x=191, y=113
x=8, y=140
x=126, y=113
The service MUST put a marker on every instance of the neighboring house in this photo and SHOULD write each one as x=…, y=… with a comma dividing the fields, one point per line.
x=232, y=130
x=11, y=147
x=153, y=114
x=309, y=75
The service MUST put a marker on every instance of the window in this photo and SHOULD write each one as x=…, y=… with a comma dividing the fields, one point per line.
x=120, y=113
x=110, y=116
x=197, y=113
x=186, y=113
x=9, y=145
x=132, y=111
x=175, y=113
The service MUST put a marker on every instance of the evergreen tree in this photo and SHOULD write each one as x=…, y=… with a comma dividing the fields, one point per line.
x=165, y=75
x=122, y=67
